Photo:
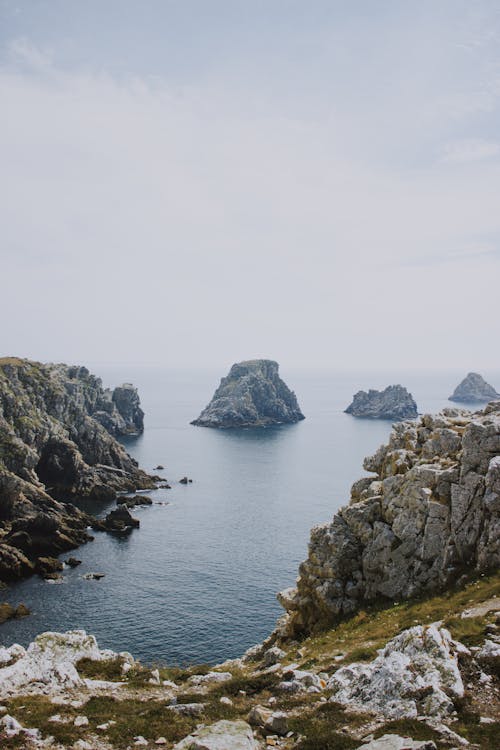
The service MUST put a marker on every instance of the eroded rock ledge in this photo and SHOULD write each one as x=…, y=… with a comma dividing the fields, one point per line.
x=430, y=512
x=53, y=450
x=252, y=395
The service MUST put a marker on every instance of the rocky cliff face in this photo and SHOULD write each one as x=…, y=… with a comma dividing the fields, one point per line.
x=430, y=512
x=393, y=403
x=52, y=451
x=252, y=395
x=474, y=389
x=119, y=411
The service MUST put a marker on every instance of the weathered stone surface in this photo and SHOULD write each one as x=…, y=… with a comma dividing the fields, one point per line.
x=395, y=742
x=414, y=675
x=474, y=389
x=48, y=664
x=431, y=512
x=224, y=735
x=393, y=403
x=252, y=395
x=53, y=450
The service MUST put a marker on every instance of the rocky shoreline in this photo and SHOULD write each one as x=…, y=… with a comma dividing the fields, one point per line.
x=58, y=446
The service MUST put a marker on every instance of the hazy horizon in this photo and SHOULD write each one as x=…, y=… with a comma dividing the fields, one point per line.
x=191, y=184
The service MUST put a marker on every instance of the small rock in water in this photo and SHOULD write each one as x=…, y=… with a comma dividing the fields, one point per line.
x=93, y=576
x=185, y=480
x=159, y=468
x=73, y=562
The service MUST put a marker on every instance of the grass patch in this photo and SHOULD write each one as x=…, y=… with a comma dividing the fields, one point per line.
x=483, y=735
x=149, y=718
x=361, y=635
x=321, y=729
x=252, y=684
x=417, y=730
x=33, y=712
x=107, y=669
x=469, y=630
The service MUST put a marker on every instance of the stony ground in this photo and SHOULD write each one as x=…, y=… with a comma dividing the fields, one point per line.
x=385, y=671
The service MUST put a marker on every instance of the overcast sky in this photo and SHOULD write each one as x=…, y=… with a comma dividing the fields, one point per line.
x=195, y=183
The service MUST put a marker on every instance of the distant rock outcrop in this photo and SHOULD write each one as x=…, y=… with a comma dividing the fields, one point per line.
x=119, y=411
x=474, y=389
x=393, y=403
x=52, y=451
x=252, y=395
x=430, y=513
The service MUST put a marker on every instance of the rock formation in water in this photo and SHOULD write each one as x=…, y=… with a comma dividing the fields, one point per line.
x=474, y=389
x=252, y=395
x=393, y=403
x=430, y=513
x=119, y=411
x=53, y=451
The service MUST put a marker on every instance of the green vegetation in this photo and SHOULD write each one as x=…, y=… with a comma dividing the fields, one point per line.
x=359, y=637
x=321, y=729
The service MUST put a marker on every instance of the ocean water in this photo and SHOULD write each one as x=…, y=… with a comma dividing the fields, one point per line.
x=197, y=582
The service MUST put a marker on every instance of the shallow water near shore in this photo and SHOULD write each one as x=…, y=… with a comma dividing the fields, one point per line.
x=197, y=581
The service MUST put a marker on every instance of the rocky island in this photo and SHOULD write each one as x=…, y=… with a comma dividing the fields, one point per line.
x=474, y=389
x=391, y=639
x=252, y=395
x=57, y=445
x=392, y=403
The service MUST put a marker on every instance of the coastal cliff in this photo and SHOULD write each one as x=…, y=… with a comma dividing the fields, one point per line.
x=429, y=514
x=252, y=395
x=53, y=450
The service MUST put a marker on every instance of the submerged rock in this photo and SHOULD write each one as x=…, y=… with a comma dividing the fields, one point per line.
x=393, y=403
x=474, y=389
x=252, y=395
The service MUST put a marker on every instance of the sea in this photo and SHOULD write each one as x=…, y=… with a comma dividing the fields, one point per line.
x=197, y=582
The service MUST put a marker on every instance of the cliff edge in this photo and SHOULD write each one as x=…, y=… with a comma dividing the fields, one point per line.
x=430, y=513
x=53, y=451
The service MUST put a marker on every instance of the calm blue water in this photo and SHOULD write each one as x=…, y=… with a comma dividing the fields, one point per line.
x=197, y=582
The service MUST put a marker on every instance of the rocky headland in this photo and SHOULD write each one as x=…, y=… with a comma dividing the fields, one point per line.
x=252, y=395
x=392, y=403
x=57, y=445
x=474, y=389
x=390, y=641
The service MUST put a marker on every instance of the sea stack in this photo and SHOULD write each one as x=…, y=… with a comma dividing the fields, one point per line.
x=474, y=389
x=393, y=403
x=252, y=395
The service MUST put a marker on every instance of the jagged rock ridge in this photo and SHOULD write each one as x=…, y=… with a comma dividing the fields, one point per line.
x=431, y=512
x=474, y=389
x=252, y=395
x=392, y=403
x=53, y=450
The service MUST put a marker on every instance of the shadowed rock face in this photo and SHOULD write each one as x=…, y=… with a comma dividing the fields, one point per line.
x=430, y=511
x=393, y=403
x=52, y=451
x=474, y=389
x=252, y=395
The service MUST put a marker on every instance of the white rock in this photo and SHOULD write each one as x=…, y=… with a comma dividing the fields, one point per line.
x=11, y=725
x=155, y=677
x=81, y=721
x=170, y=684
x=224, y=735
x=83, y=745
x=49, y=662
x=394, y=742
x=161, y=741
x=225, y=700
x=420, y=661
x=140, y=741
x=209, y=678
x=14, y=652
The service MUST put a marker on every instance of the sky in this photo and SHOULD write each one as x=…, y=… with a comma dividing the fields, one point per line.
x=195, y=182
